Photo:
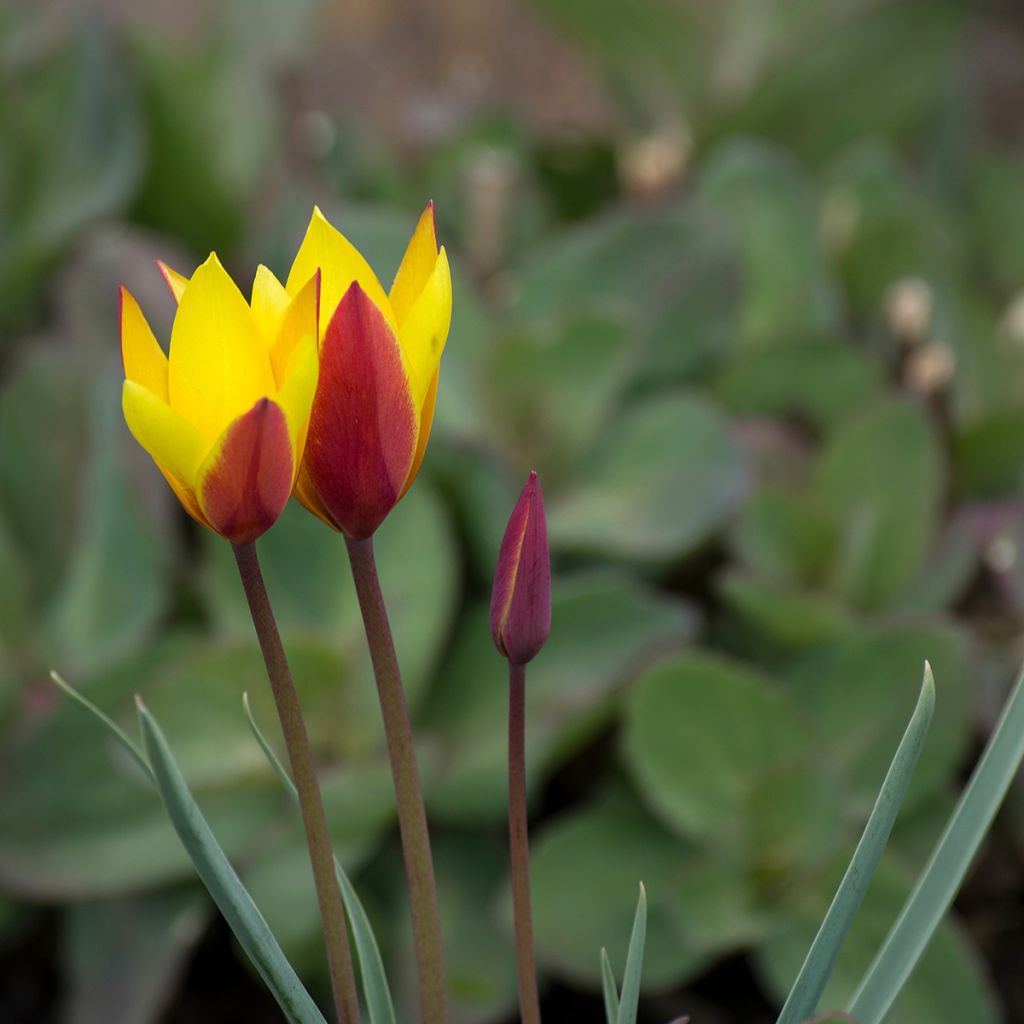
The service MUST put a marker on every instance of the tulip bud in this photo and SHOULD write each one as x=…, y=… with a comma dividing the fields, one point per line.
x=521, y=598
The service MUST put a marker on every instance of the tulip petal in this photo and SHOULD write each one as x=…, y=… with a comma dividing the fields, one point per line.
x=269, y=303
x=364, y=425
x=175, y=445
x=521, y=598
x=326, y=249
x=425, y=329
x=175, y=281
x=246, y=480
x=300, y=319
x=297, y=392
x=143, y=358
x=416, y=267
x=426, y=420
x=217, y=365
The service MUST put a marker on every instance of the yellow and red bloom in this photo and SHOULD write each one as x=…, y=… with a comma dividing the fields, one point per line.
x=224, y=415
x=380, y=356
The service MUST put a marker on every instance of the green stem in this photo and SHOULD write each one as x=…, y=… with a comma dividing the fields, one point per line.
x=412, y=817
x=300, y=757
x=519, y=845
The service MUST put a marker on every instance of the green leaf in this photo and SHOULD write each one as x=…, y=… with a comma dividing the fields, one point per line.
x=944, y=873
x=810, y=983
x=851, y=692
x=882, y=478
x=950, y=983
x=371, y=966
x=667, y=476
x=124, y=958
x=699, y=732
x=221, y=881
x=608, y=989
x=609, y=627
x=634, y=963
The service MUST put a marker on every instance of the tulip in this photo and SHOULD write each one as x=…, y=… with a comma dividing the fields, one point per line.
x=225, y=414
x=380, y=355
x=521, y=598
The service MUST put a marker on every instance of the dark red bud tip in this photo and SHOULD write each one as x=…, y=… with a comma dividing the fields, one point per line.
x=521, y=599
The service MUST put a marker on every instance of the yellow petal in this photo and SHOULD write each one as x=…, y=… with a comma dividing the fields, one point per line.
x=416, y=267
x=218, y=367
x=298, y=321
x=297, y=392
x=269, y=302
x=143, y=358
x=425, y=330
x=340, y=263
x=175, y=445
x=175, y=281
x=426, y=420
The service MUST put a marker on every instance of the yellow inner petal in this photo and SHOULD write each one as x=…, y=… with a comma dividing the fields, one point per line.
x=269, y=302
x=144, y=359
x=218, y=366
x=340, y=263
x=416, y=267
x=297, y=393
x=298, y=320
x=174, y=444
x=425, y=330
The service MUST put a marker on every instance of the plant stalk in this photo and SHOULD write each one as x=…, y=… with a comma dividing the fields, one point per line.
x=303, y=767
x=412, y=817
x=519, y=845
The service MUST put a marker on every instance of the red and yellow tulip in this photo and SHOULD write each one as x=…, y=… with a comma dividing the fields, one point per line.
x=224, y=415
x=380, y=355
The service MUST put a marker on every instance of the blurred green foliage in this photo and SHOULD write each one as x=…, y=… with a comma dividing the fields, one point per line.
x=762, y=334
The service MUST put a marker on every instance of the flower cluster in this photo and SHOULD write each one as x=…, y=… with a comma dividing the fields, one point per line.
x=323, y=386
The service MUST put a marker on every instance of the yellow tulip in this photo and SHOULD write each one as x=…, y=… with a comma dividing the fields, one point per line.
x=224, y=415
x=380, y=356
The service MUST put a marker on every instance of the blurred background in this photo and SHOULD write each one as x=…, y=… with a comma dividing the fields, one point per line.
x=744, y=281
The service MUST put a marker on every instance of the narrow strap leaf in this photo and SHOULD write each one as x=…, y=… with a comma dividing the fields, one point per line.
x=634, y=963
x=945, y=870
x=107, y=722
x=371, y=965
x=223, y=884
x=611, y=995
x=821, y=957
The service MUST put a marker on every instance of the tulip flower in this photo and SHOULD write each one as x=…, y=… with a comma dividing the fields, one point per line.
x=521, y=598
x=379, y=361
x=225, y=414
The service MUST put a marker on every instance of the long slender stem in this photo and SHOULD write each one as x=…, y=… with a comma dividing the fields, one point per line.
x=519, y=845
x=412, y=817
x=300, y=757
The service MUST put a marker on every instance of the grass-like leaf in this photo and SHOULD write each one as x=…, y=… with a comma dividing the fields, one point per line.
x=222, y=883
x=608, y=989
x=371, y=966
x=810, y=983
x=107, y=722
x=630, y=998
x=945, y=870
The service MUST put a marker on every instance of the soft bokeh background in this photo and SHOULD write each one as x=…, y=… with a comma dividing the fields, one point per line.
x=743, y=280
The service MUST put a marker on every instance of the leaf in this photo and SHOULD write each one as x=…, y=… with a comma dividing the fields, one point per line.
x=882, y=477
x=810, y=983
x=608, y=628
x=946, y=868
x=699, y=732
x=667, y=476
x=124, y=958
x=608, y=989
x=950, y=983
x=634, y=963
x=371, y=967
x=221, y=881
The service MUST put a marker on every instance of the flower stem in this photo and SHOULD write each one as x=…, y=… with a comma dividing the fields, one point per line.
x=519, y=845
x=412, y=818
x=300, y=757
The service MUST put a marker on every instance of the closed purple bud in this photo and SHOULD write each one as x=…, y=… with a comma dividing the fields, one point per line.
x=521, y=599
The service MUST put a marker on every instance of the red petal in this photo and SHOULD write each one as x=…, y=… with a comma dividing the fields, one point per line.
x=521, y=598
x=363, y=427
x=246, y=481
